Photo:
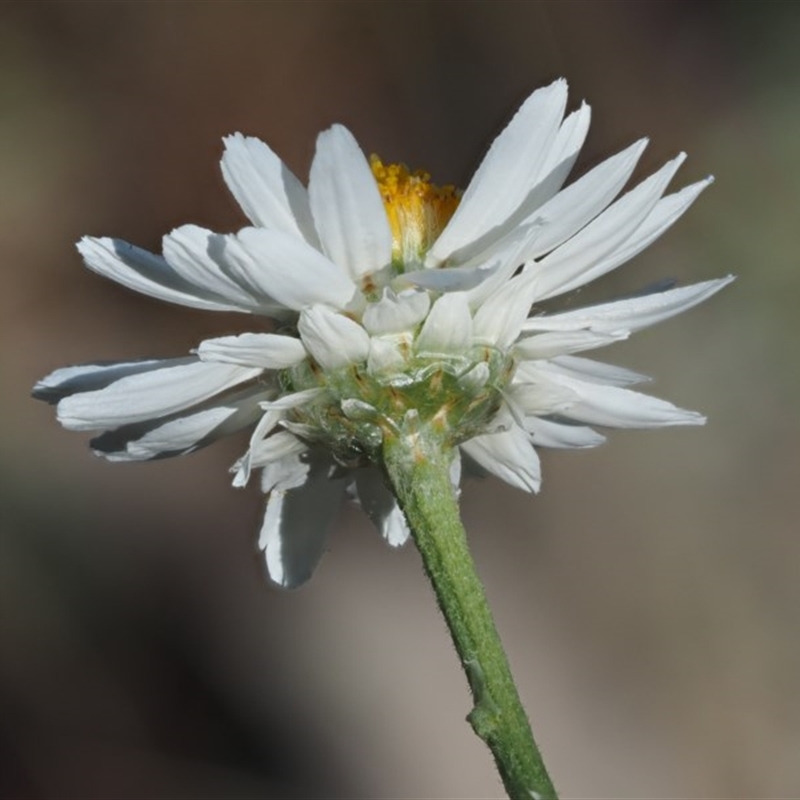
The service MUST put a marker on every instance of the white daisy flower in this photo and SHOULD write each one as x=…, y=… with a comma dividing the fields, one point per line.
x=396, y=303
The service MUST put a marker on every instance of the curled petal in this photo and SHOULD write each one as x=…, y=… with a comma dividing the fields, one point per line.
x=333, y=339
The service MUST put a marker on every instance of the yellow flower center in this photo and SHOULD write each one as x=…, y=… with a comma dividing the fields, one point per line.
x=417, y=209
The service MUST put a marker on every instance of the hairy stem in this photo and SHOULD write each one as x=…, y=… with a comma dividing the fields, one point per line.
x=418, y=466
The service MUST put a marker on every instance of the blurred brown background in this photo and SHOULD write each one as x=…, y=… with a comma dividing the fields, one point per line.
x=649, y=597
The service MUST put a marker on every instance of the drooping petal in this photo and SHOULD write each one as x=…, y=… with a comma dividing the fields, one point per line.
x=332, y=339
x=149, y=274
x=347, y=206
x=582, y=258
x=266, y=425
x=632, y=314
x=509, y=455
x=155, y=393
x=546, y=433
x=380, y=506
x=286, y=268
x=266, y=189
x=287, y=472
x=296, y=526
x=507, y=173
x=448, y=327
x=267, y=350
x=396, y=312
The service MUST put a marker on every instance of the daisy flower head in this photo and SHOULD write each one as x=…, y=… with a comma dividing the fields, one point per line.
x=383, y=305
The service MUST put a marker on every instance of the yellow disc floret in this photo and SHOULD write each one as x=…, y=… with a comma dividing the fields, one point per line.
x=417, y=209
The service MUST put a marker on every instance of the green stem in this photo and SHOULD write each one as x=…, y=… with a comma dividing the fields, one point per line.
x=418, y=468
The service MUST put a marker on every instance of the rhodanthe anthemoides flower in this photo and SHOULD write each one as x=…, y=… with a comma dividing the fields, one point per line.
x=382, y=303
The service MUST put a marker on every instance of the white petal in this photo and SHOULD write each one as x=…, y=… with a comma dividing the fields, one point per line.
x=91, y=377
x=381, y=506
x=546, y=433
x=396, y=312
x=274, y=448
x=581, y=201
x=499, y=320
x=188, y=251
x=665, y=213
x=448, y=328
x=632, y=314
x=508, y=172
x=286, y=472
x=540, y=398
x=582, y=258
x=475, y=378
x=296, y=527
x=509, y=255
x=614, y=407
x=286, y=268
x=554, y=171
x=266, y=189
x=452, y=279
x=244, y=465
x=182, y=433
x=563, y=154
x=332, y=339
x=389, y=354
x=267, y=350
x=149, y=274
x=292, y=400
x=558, y=343
x=176, y=437
x=509, y=455
x=455, y=470
x=157, y=393
x=347, y=206
x=584, y=369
